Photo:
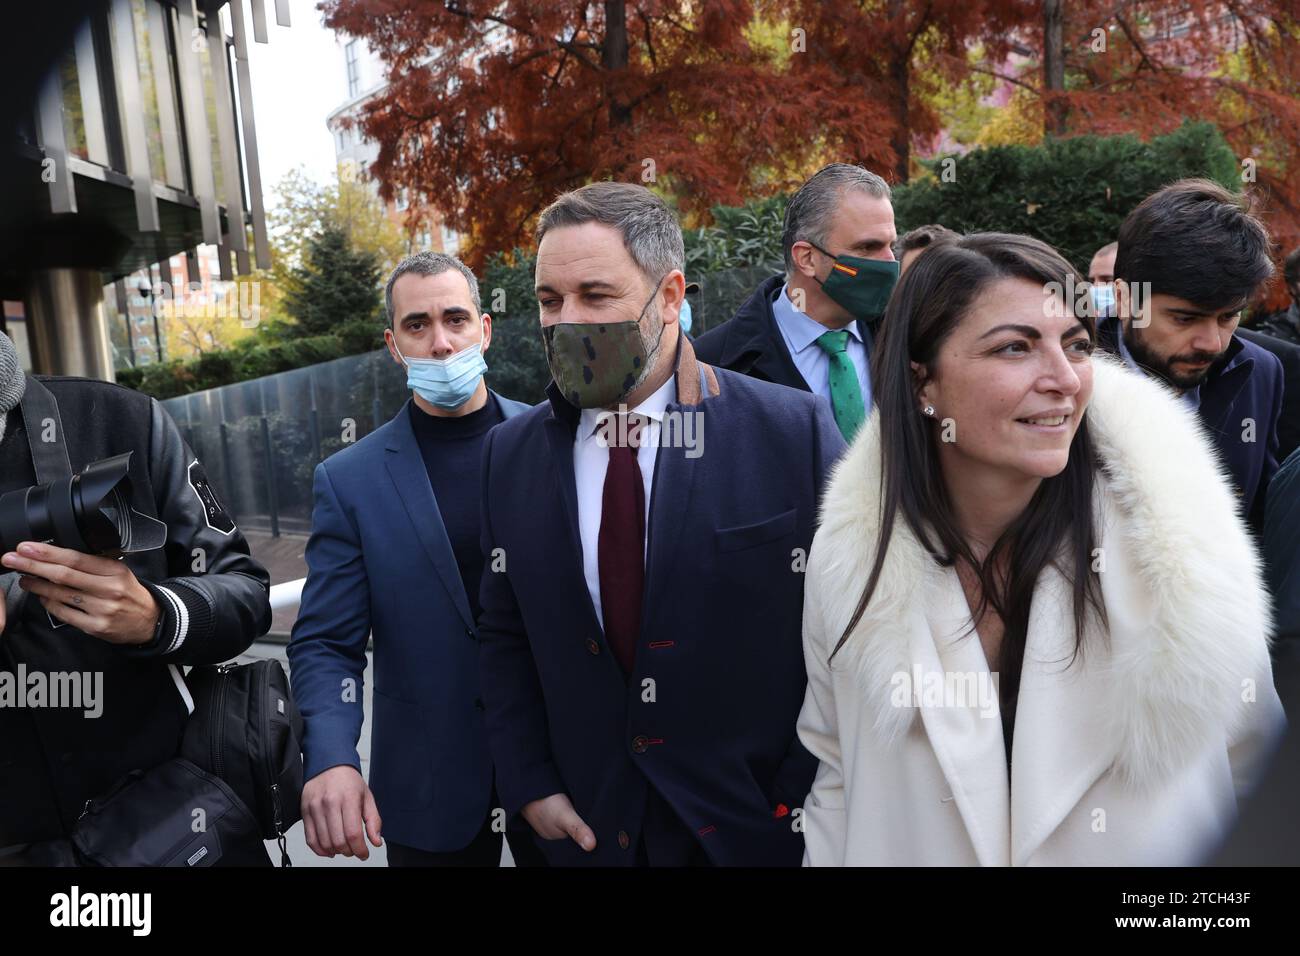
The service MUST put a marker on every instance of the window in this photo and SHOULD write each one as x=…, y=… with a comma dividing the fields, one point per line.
x=352, y=55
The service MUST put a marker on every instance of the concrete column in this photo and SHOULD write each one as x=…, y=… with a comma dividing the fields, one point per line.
x=66, y=326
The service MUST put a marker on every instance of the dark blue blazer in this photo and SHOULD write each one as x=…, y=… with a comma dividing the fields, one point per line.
x=379, y=560
x=708, y=716
x=1241, y=402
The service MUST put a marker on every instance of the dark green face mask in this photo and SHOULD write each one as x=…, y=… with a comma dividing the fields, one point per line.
x=861, y=286
x=596, y=365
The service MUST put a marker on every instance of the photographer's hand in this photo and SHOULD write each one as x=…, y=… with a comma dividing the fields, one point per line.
x=99, y=596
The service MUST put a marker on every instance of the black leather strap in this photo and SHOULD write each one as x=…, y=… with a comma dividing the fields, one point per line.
x=50, y=458
x=50, y=461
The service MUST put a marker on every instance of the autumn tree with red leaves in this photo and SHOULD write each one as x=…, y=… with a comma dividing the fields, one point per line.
x=896, y=52
x=1142, y=66
x=493, y=108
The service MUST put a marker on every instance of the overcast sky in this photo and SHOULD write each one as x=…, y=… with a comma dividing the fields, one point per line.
x=298, y=79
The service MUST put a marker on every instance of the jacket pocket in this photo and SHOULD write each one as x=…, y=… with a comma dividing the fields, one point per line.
x=752, y=535
x=401, y=762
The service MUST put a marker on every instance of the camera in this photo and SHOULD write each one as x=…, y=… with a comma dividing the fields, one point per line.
x=89, y=512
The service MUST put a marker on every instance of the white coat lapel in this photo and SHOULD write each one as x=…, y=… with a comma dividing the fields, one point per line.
x=1060, y=744
x=964, y=724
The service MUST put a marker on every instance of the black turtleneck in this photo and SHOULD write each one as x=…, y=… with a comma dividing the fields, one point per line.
x=452, y=449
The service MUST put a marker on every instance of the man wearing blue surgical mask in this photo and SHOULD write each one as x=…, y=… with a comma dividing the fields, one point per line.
x=813, y=327
x=1101, y=280
x=394, y=552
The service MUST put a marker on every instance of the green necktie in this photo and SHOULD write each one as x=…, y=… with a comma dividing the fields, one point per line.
x=846, y=394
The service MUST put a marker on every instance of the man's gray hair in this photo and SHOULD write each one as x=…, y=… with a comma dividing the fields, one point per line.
x=650, y=231
x=810, y=211
x=431, y=264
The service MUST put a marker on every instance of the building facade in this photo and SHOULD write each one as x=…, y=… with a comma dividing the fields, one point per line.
x=138, y=179
x=354, y=153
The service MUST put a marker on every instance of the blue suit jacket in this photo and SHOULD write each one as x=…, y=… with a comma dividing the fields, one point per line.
x=720, y=640
x=379, y=560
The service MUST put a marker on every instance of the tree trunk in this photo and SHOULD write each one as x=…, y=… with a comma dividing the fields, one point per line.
x=1054, y=115
x=900, y=75
x=613, y=57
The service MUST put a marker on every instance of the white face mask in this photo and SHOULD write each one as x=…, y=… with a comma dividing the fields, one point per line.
x=449, y=382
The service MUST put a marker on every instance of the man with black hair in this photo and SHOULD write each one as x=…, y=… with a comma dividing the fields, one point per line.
x=1190, y=258
x=394, y=559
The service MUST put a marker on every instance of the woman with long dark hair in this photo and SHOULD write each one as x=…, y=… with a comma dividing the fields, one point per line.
x=1034, y=624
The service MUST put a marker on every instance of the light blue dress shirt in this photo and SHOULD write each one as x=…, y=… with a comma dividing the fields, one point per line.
x=801, y=334
x=1191, y=396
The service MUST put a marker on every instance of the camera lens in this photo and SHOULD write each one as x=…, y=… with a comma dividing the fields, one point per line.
x=89, y=512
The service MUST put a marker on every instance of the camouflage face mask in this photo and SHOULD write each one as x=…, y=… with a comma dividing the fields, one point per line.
x=596, y=365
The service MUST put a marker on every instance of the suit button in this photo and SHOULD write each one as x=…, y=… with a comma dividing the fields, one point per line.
x=478, y=702
x=469, y=632
x=593, y=645
x=639, y=744
x=623, y=841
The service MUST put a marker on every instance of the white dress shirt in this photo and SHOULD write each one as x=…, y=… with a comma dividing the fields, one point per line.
x=591, y=460
x=801, y=332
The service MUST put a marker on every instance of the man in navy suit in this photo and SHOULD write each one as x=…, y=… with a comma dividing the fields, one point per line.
x=646, y=529
x=395, y=550
x=1190, y=257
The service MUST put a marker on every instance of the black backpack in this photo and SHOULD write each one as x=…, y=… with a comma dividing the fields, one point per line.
x=246, y=731
x=240, y=764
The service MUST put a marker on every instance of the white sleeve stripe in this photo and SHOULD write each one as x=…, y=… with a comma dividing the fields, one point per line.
x=171, y=598
x=182, y=620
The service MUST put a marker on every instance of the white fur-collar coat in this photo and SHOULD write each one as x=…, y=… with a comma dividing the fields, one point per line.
x=1133, y=754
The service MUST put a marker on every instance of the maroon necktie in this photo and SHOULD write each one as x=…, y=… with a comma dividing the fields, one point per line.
x=620, y=549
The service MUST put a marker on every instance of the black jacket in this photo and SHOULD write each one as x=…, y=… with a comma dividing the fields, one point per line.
x=214, y=598
x=1283, y=325
x=750, y=342
x=1281, y=548
x=1288, y=353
